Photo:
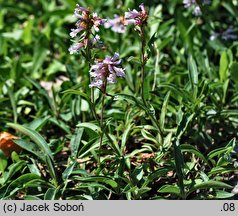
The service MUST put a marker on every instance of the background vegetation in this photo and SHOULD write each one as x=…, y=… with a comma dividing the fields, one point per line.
x=191, y=87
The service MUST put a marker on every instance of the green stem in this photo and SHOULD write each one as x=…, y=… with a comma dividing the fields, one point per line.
x=143, y=62
x=92, y=105
x=89, y=59
x=101, y=119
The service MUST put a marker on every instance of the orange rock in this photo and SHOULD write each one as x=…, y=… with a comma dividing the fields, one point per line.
x=7, y=145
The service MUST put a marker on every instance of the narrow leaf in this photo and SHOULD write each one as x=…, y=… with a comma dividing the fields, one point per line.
x=35, y=136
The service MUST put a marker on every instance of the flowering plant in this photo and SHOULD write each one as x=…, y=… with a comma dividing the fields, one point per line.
x=136, y=101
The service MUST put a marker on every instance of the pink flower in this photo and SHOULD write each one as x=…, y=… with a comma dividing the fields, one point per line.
x=188, y=3
x=94, y=43
x=196, y=8
x=97, y=22
x=75, y=48
x=229, y=34
x=137, y=17
x=86, y=21
x=106, y=71
x=83, y=15
x=74, y=32
x=197, y=11
x=118, y=24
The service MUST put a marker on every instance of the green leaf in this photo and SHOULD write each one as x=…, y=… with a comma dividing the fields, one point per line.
x=50, y=194
x=184, y=120
x=15, y=157
x=174, y=189
x=40, y=54
x=183, y=25
x=165, y=42
x=38, y=183
x=234, y=72
x=229, y=113
x=19, y=183
x=131, y=99
x=168, y=140
x=210, y=184
x=125, y=135
x=43, y=92
x=88, y=147
x=161, y=172
x=114, y=144
x=222, y=170
x=134, y=60
x=30, y=197
x=41, y=144
x=142, y=191
x=183, y=124
x=67, y=172
x=77, y=92
x=219, y=151
x=51, y=168
x=33, y=168
x=3, y=161
x=76, y=141
x=223, y=195
x=105, y=180
x=90, y=126
x=193, y=150
x=148, y=136
x=151, y=42
x=35, y=136
x=55, y=67
x=60, y=124
x=23, y=179
x=71, y=74
x=38, y=123
x=224, y=63
x=137, y=174
x=163, y=111
x=93, y=185
x=13, y=102
x=2, y=13
x=31, y=147
x=193, y=74
x=176, y=91
x=15, y=35
x=179, y=165
x=27, y=33
x=12, y=169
